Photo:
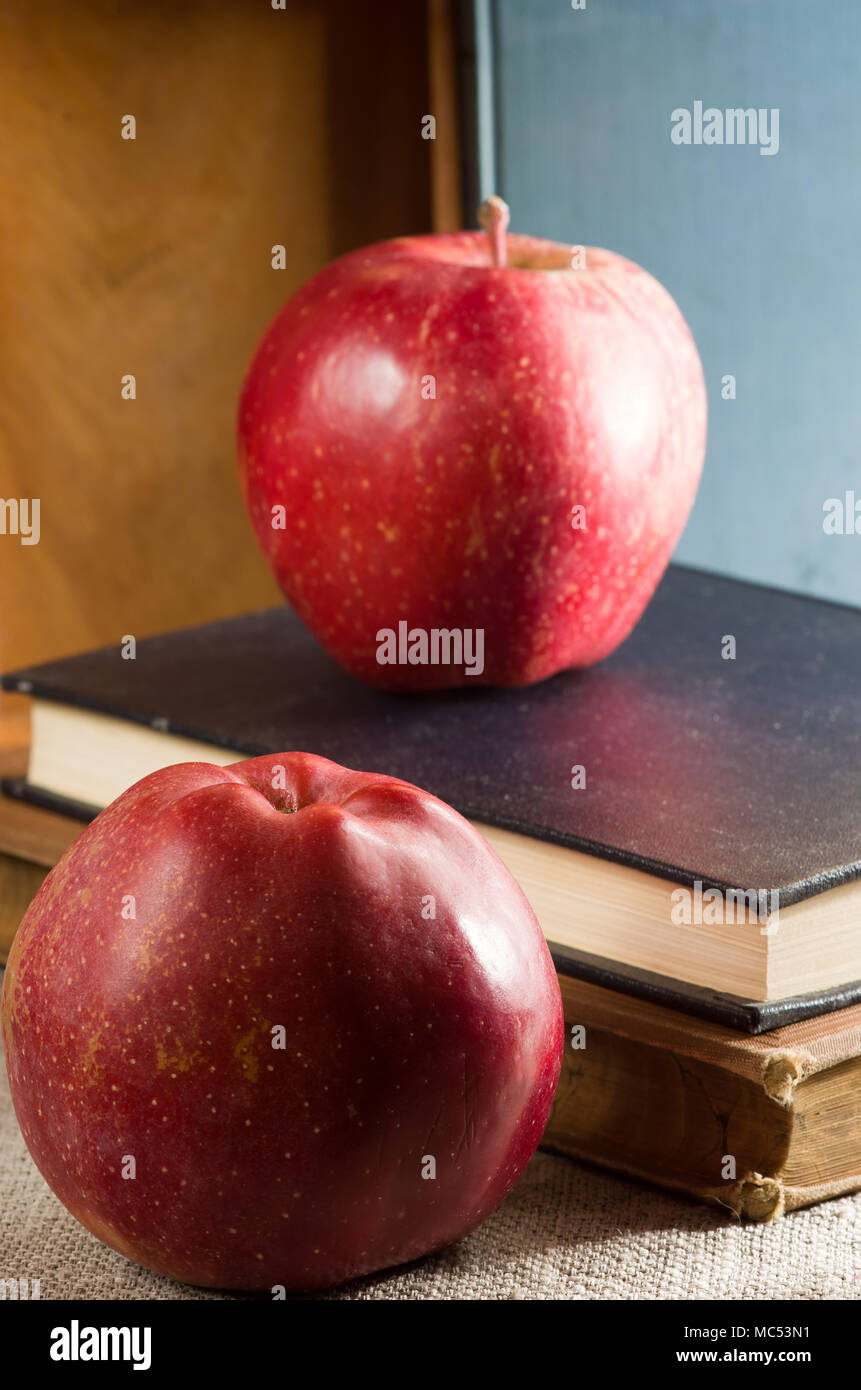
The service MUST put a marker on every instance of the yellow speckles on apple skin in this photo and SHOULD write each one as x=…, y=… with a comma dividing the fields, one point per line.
x=247, y=1051
x=176, y=1058
x=427, y=323
x=89, y=1061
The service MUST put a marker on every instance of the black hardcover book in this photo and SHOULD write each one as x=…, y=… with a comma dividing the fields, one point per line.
x=719, y=748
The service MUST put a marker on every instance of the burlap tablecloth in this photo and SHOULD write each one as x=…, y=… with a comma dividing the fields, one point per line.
x=567, y=1231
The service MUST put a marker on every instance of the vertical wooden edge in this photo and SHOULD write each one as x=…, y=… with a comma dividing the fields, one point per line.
x=446, y=200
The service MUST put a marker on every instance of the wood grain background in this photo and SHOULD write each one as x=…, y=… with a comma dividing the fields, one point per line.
x=254, y=127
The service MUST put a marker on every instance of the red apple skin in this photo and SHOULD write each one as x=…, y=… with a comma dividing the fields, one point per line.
x=405, y=1036
x=555, y=387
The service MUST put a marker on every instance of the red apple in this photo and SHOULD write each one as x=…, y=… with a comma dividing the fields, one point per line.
x=280, y=1027
x=418, y=426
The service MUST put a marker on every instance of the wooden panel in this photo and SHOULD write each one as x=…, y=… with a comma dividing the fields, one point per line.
x=152, y=257
x=448, y=211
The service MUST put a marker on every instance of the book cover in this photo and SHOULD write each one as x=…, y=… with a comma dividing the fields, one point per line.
x=693, y=768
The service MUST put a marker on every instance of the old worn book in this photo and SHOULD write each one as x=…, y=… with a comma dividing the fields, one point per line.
x=684, y=817
x=27, y=831
x=19, y=881
x=24, y=855
x=758, y=1125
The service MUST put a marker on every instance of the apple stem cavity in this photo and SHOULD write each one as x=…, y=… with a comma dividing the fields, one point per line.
x=494, y=216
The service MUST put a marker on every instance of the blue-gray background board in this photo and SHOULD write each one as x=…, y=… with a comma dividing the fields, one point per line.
x=761, y=252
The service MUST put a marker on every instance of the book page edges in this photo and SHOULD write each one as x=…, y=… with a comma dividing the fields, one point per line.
x=755, y=1197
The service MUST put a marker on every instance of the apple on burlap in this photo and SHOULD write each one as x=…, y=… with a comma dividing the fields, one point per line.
x=280, y=1024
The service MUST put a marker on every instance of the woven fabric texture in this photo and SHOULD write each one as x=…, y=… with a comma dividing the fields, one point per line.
x=567, y=1231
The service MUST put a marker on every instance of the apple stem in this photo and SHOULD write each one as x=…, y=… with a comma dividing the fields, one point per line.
x=494, y=216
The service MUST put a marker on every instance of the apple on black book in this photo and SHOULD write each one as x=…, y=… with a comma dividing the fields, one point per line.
x=467, y=432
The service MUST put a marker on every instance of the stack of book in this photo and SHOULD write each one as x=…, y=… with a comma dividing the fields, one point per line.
x=684, y=819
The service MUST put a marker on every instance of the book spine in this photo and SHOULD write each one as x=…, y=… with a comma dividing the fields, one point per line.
x=684, y=1123
x=19, y=883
